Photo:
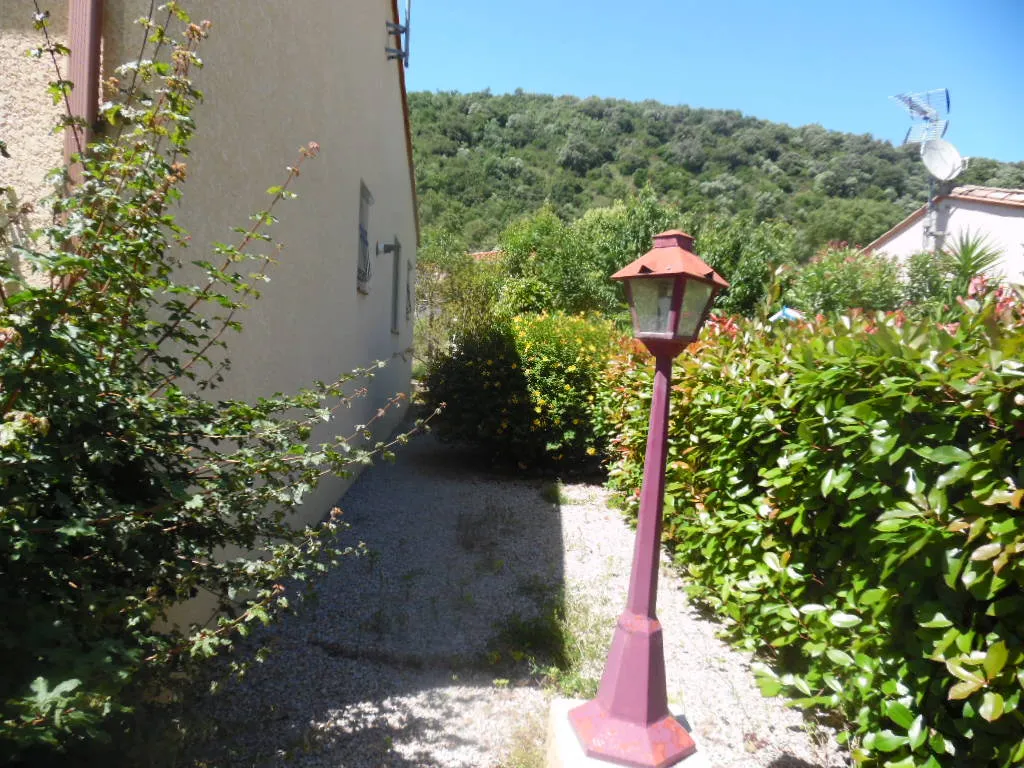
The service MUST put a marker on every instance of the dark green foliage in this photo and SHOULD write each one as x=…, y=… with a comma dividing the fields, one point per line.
x=843, y=278
x=553, y=266
x=523, y=390
x=123, y=485
x=850, y=495
x=454, y=293
x=484, y=160
x=745, y=251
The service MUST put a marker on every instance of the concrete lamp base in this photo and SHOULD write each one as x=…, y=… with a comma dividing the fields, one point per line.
x=565, y=751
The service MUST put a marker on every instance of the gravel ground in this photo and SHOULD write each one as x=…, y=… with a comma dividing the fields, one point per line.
x=395, y=664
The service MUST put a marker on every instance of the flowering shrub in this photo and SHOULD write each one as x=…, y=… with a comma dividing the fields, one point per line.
x=524, y=389
x=850, y=495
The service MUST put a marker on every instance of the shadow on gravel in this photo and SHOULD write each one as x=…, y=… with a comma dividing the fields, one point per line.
x=399, y=660
x=789, y=761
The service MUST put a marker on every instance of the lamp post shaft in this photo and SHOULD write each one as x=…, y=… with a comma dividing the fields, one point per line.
x=629, y=722
x=643, y=581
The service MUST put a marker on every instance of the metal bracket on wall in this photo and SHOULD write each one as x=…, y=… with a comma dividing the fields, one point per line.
x=400, y=31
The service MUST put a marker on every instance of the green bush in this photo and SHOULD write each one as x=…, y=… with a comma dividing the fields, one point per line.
x=523, y=390
x=453, y=292
x=839, y=279
x=850, y=495
x=934, y=280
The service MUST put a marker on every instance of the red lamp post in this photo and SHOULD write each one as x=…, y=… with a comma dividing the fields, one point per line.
x=670, y=291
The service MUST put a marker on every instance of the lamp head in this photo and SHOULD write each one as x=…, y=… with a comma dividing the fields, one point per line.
x=670, y=291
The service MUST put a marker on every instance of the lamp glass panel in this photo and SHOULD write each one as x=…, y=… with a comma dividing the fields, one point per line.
x=695, y=299
x=652, y=299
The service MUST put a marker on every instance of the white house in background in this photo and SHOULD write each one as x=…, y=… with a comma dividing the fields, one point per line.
x=989, y=212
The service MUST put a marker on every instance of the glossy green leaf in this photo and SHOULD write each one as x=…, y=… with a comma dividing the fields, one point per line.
x=839, y=657
x=845, y=620
x=887, y=741
x=917, y=733
x=987, y=551
x=964, y=689
x=995, y=659
x=899, y=713
x=991, y=706
x=947, y=454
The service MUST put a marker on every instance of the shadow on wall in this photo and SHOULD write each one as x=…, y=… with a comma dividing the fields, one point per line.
x=406, y=643
x=13, y=226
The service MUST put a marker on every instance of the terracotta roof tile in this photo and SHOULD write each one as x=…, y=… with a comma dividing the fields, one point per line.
x=988, y=194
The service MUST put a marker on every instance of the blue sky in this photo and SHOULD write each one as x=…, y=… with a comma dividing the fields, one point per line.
x=798, y=62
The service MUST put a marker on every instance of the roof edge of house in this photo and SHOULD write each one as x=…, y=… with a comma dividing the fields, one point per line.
x=899, y=229
x=986, y=200
x=408, y=129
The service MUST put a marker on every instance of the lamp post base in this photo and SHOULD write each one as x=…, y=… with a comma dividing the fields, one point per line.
x=605, y=737
x=629, y=722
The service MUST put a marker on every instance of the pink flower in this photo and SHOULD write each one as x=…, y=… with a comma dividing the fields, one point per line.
x=977, y=287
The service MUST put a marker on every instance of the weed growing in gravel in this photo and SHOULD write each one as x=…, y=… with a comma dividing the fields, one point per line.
x=528, y=742
x=563, y=645
x=554, y=493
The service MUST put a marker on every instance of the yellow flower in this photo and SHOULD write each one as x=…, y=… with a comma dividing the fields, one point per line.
x=591, y=451
x=536, y=422
x=537, y=409
x=570, y=369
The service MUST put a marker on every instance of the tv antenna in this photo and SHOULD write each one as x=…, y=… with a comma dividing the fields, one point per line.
x=928, y=110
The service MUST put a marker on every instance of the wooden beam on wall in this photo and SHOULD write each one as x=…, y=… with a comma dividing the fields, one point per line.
x=85, y=25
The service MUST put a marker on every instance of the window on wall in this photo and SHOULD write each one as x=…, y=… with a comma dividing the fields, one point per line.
x=396, y=285
x=365, y=267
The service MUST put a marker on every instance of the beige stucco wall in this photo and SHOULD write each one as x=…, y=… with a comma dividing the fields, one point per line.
x=1002, y=225
x=27, y=114
x=279, y=74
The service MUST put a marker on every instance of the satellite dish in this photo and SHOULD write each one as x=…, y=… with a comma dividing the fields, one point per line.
x=942, y=159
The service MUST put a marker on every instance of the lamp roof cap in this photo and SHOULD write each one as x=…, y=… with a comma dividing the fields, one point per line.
x=671, y=255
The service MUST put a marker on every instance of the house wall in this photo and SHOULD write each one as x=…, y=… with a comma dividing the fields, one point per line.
x=277, y=75
x=1002, y=225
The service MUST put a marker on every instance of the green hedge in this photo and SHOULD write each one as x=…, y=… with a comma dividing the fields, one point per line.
x=850, y=495
x=523, y=390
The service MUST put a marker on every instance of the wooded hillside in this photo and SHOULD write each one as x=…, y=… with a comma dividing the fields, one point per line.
x=484, y=160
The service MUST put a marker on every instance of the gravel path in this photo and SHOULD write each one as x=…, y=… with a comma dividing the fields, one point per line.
x=398, y=662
